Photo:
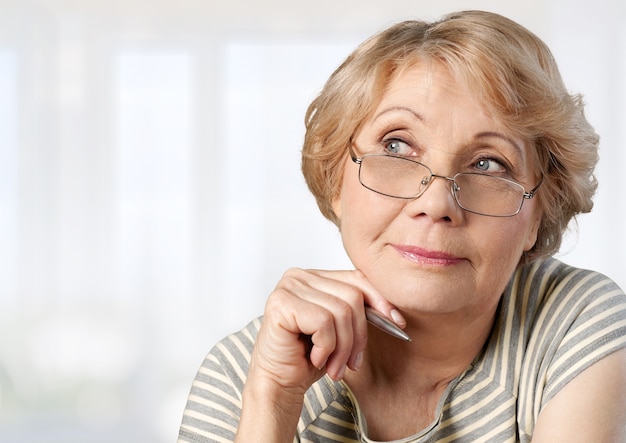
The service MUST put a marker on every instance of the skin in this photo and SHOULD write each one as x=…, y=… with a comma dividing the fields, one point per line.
x=429, y=255
x=444, y=268
x=434, y=268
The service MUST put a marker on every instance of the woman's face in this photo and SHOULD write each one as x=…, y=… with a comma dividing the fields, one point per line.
x=427, y=254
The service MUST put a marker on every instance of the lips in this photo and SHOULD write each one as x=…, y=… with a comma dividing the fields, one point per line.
x=424, y=256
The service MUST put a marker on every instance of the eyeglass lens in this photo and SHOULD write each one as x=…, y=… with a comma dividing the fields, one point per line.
x=404, y=178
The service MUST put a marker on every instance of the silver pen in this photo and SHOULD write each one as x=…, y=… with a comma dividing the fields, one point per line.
x=382, y=323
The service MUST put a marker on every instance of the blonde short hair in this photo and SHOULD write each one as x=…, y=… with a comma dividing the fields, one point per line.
x=506, y=65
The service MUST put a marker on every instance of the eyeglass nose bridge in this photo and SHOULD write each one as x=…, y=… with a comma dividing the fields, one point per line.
x=428, y=179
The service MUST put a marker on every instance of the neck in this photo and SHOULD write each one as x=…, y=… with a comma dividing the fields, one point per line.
x=441, y=348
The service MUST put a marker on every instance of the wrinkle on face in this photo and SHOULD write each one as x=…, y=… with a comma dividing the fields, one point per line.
x=445, y=126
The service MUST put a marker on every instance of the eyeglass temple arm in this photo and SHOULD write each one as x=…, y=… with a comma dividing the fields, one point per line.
x=530, y=194
x=355, y=159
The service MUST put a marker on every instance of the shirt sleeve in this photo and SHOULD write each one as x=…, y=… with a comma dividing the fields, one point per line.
x=214, y=403
x=594, y=328
x=580, y=319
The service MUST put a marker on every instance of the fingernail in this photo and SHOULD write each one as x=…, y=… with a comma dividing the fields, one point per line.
x=358, y=361
x=321, y=366
x=341, y=373
x=397, y=317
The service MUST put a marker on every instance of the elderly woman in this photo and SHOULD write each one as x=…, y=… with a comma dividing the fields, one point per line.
x=452, y=158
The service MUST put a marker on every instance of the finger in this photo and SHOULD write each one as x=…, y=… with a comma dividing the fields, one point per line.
x=344, y=348
x=296, y=316
x=345, y=303
x=371, y=296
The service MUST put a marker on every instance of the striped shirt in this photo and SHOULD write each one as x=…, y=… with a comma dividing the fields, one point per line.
x=553, y=322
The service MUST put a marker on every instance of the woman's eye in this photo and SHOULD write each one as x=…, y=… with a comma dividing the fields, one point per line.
x=489, y=165
x=397, y=147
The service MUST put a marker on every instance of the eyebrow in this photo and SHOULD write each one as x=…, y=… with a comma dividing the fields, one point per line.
x=485, y=134
x=399, y=108
x=511, y=141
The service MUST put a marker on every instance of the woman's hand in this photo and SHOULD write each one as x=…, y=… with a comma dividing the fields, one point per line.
x=314, y=323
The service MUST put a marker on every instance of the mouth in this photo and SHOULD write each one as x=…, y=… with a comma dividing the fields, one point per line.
x=427, y=257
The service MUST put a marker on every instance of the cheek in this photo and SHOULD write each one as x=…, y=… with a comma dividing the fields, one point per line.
x=350, y=197
x=509, y=240
x=338, y=203
x=363, y=214
x=533, y=232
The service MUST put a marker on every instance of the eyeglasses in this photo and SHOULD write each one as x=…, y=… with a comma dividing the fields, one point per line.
x=401, y=177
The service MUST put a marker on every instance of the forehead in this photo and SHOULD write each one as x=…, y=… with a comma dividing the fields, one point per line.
x=432, y=95
x=428, y=77
x=437, y=97
x=427, y=72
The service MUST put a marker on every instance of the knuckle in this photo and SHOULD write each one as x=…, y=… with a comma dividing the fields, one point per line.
x=293, y=273
x=325, y=320
x=277, y=299
x=354, y=296
x=291, y=279
x=344, y=312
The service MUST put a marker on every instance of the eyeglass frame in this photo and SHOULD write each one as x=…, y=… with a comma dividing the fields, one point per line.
x=526, y=195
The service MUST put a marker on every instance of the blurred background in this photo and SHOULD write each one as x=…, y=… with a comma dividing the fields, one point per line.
x=150, y=192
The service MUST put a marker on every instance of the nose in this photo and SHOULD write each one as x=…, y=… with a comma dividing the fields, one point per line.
x=437, y=200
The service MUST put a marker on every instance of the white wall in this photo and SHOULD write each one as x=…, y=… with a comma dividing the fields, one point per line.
x=150, y=193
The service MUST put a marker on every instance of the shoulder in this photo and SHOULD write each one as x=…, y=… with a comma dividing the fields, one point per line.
x=214, y=403
x=551, y=306
x=550, y=274
x=231, y=356
x=564, y=305
x=553, y=288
